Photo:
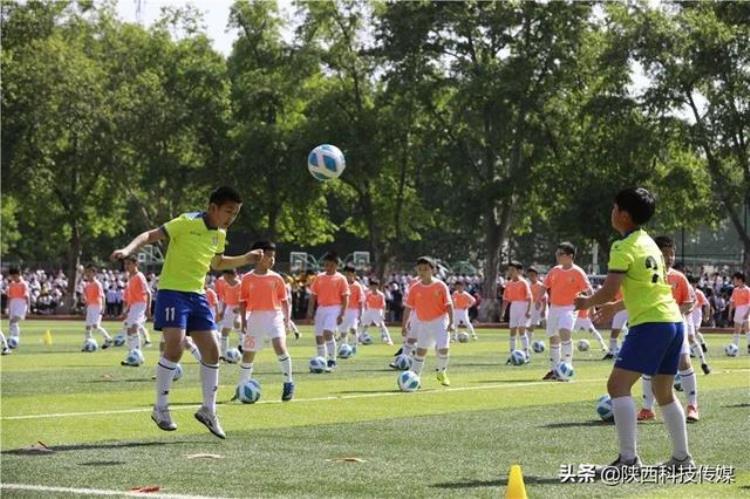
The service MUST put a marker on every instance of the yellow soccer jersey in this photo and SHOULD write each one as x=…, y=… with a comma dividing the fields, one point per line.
x=647, y=296
x=192, y=246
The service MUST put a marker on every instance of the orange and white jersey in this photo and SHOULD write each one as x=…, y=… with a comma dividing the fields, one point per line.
x=212, y=299
x=463, y=300
x=564, y=285
x=356, y=295
x=93, y=292
x=681, y=290
x=263, y=292
x=517, y=291
x=583, y=313
x=219, y=286
x=330, y=289
x=538, y=292
x=232, y=294
x=740, y=296
x=375, y=300
x=18, y=290
x=429, y=301
x=137, y=289
x=700, y=299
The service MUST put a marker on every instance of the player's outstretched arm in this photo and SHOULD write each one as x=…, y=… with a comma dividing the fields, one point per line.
x=148, y=237
x=223, y=262
x=605, y=295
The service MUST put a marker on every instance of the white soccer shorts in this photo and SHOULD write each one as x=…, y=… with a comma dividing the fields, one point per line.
x=560, y=317
x=432, y=333
x=325, y=319
x=351, y=320
x=227, y=322
x=17, y=308
x=263, y=325
x=136, y=314
x=518, y=314
x=461, y=316
x=93, y=315
x=619, y=320
x=740, y=313
x=536, y=314
x=686, y=326
x=372, y=317
x=583, y=323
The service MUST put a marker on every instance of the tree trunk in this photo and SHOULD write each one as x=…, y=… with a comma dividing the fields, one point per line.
x=72, y=271
x=495, y=235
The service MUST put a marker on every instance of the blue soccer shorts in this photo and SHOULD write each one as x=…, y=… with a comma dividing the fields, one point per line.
x=182, y=310
x=652, y=348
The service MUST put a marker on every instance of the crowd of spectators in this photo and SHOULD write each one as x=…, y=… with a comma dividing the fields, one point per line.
x=48, y=289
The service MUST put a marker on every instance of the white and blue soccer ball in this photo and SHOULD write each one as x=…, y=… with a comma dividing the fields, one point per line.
x=249, y=393
x=678, y=382
x=517, y=357
x=365, y=339
x=13, y=342
x=119, y=340
x=583, y=345
x=731, y=350
x=403, y=362
x=538, y=346
x=604, y=408
x=232, y=355
x=90, y=345
x=134, y=357
x=565, y=371
x=326, y=162
x=345, y=351
x=408, y=381
x=317, y=365
x=463, y=337
x=178, y=372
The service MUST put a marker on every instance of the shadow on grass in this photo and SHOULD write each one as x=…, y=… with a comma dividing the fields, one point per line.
x=101, y=463
x=507, y=381
x=368, y=391
x=738, y=406
x=577, y=424
x=131, y=380
x=500, y=482
x=102, y=446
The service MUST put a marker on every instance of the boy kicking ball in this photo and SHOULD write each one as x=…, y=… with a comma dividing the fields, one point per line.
x=655, y=339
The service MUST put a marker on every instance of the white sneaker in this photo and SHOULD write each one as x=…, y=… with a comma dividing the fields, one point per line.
x=163, y=419
x=211, y=421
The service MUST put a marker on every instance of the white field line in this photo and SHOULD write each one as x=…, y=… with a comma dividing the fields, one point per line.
x=314, y=399
x=98, y=492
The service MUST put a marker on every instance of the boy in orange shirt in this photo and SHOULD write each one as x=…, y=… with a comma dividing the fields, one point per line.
x=696, y=316
x=138, y=299
x=230, y=308
x=739, y=303
x=584, y=323
x=564, y=283
x=330, y=292
x=19, y=302
x=517, y=295
x=374, y=313
x=463, y=301
x=539, y=308
x=93, y=293
x=264, y=312
x=350, y=324
x=429, y=299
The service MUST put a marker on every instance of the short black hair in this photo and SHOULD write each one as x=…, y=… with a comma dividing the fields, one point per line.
x=229, y=271
x=739, y=275
x=532, y=269
x=91, y=266
x=461, y=282
x=664, y=242
x=349, y=267
x=224, y=194
x=374, y=281
x=516, y=264
x=14, y=271
x=638, y=203
x=331, y=256
x=692, y=279
x=567, y=248
x=426, y=259
x=132, y=258
x=264, y=245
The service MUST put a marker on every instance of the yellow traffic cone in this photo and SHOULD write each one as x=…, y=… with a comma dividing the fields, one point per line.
x=47, y=338
x=516, y=489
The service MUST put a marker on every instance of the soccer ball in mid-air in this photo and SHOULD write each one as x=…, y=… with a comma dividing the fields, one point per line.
x=731, y=350
x=326, y=162
x=538, y=346
x=565, y=371
x=13, y=342
x=119, y=340
x=317, y=365
x=90, y=345
x=403, y=362
x=583, y=346
x=604, y=408
x=345, y=351
x=408, y=381
x=134, y=358
x=249, y=393
x=517, y=357
x=463, y=337
x=232, y=355
x=178, y=372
